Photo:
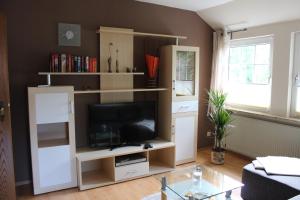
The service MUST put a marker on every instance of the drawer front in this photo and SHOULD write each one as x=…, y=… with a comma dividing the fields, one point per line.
x=131, y=171
x=184, y=106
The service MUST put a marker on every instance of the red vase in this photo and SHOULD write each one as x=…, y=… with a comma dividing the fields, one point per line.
x=152, y=66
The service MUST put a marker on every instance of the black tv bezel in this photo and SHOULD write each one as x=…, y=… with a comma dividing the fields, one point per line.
x=122, y=143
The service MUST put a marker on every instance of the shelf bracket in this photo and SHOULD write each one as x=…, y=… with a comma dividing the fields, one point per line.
x=48, y=79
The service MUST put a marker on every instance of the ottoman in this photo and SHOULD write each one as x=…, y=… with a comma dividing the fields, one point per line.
x=260, y=186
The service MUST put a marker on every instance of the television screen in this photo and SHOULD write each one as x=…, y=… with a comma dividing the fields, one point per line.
x=118, y=124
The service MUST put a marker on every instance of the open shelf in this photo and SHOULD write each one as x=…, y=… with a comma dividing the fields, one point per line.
x=119, y=90
x=161, y=160
x=91, y=73
x=52, y=134
x=97, y=173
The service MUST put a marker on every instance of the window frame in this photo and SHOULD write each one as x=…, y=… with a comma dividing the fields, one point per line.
x=266, y=39
x=295, y=70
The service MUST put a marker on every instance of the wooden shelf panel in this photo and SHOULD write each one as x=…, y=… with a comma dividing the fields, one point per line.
x=95, y=178
x=53, y=142
x=140, y=33
x=119, y=90
x=91, y=73
x=156, y=167
x=86, y=154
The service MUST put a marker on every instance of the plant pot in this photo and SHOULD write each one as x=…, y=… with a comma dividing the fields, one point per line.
x=218, y=157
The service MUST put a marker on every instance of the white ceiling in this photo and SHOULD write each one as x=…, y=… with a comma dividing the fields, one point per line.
x=237, y=14
x=193, y=5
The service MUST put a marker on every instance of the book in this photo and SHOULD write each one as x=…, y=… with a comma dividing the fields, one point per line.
x=63, y=62
x=56, y=67
x=78, y=64
x=87, y=64
x=70, y=63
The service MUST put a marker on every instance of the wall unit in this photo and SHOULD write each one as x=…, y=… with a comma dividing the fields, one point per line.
x=54, y=128
x=183, y=61
x=52, y=138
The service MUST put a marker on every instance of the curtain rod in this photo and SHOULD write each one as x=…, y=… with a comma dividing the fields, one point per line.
x=235, y=31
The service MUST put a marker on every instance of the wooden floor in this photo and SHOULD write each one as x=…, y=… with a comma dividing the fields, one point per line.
x=136, y=189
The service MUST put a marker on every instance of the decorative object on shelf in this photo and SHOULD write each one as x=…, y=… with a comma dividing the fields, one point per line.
x=221, y=119
x=69, y=34
x=128, y=70
x=117, y=61
x=152, y=66
x=134, y=69
x=109, y=60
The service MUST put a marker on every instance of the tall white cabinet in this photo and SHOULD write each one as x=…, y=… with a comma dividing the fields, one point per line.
x=179, y=70
x=52, y=137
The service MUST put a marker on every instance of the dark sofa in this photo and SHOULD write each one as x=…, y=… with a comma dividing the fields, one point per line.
x=260, y=186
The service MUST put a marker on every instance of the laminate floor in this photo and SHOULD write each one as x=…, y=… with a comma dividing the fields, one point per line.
x=139, y=188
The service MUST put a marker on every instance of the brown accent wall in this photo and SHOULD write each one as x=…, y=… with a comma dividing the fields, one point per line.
x=32, y=35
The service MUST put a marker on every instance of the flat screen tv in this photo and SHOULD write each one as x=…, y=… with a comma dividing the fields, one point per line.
x=121, y=124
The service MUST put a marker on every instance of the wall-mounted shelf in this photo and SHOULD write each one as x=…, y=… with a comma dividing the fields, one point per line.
x=90, y=73
x=119, y=31
x=120, y=90
x=49, y=74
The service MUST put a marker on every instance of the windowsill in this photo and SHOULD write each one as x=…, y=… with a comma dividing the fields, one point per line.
x=266, y=117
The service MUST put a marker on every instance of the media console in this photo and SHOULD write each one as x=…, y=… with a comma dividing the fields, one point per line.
x=97, y=168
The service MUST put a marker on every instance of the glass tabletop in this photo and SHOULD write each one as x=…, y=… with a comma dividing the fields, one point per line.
x=198, y=184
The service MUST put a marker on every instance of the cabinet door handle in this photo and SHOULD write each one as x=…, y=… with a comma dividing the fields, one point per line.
x=71, y=105
x=173, y=84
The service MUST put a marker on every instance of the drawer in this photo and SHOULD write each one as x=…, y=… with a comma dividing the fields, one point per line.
x=184, y=106
x=131, y=171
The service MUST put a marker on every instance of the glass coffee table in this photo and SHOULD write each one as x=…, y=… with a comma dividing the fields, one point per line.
x=183, y=184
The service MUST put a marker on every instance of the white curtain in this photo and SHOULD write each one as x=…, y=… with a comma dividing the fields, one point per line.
x=220, y=59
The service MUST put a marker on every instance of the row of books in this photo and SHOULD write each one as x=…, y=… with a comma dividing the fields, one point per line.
x=70, y=63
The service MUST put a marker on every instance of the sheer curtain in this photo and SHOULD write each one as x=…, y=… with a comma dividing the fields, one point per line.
x=220, y=59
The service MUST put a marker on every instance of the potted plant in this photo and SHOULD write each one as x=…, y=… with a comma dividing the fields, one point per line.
x=221, y=119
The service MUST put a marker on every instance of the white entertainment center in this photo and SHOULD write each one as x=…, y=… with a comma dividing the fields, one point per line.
x=58, y=164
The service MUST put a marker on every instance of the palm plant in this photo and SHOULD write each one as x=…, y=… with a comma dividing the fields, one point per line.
x=219, y=116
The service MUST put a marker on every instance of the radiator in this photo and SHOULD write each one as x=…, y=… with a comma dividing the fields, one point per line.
x=254, y=137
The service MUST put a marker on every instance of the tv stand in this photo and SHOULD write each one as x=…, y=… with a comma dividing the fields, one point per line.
x=96, y=168
x=125, y=145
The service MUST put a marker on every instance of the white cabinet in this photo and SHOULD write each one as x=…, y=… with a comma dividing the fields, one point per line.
x=183, y=62
x=52, y=138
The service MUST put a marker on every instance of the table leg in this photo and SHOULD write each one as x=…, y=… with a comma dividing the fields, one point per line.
x=228, y=194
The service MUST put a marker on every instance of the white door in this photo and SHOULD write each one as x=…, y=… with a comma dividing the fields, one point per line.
x=185, y=137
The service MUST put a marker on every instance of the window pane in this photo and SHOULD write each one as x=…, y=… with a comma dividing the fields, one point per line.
x=249, y=74
x=248, y=54
x=261, y=74
x=262, y=54
x=250, y=95
x=185, y=73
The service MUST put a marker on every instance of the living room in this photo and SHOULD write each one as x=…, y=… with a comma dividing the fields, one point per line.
x=150, y=99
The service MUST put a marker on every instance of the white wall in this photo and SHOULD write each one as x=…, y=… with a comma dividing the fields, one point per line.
x=254, y=137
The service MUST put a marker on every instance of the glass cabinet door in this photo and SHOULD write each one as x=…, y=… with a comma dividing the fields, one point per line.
x=185, y=73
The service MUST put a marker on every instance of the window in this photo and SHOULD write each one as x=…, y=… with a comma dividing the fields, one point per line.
x=249, y=72
x=295, y=100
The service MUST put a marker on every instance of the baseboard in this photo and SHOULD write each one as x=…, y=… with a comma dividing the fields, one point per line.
x=20, y=183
